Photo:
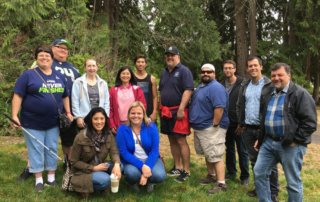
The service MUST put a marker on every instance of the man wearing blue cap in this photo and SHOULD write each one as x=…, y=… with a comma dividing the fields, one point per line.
x=60, y=51
x=175, y=87
x=208, y=117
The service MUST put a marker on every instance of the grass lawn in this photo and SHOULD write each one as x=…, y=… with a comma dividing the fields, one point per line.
x=13, y=161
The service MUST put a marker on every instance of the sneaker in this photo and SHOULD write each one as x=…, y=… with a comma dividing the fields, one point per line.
x=252, y=193
x=182, y=177
x=210, y=178
x=150, y=187
x=135, y=187
x=230, y=175
x=51, y=184
x=245, y=183
x=39, y=187
x=174, y=172
x=24, y=175
x=217, y=188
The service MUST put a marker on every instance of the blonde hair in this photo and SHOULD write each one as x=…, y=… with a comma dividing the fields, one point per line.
x=145, y=117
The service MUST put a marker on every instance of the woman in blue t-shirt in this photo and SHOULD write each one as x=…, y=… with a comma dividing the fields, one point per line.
x=88, y=92
x=39, y=114
x=138, y=144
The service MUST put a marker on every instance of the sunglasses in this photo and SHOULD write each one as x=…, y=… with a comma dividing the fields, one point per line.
x=208, y=72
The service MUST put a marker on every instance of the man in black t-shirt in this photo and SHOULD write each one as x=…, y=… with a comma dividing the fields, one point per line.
x=148, y=84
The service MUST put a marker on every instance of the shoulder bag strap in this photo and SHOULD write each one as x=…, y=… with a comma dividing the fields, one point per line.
x=49, y=90
x=140, y=142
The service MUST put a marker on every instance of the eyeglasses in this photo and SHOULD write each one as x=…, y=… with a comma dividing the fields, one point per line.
x=62, y=48
x=228, y=68
x=208, y=72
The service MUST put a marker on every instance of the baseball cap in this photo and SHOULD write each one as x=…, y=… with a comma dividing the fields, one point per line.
x=62, y=41
x=172, y=49
x=209, y=66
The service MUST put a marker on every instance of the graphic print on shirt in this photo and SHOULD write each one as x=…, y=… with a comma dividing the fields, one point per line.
x=65, y=71
x=145, y=88
x=54, y=87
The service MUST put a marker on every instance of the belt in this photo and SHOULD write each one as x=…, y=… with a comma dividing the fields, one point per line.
x=275, y=137
x=253, y=126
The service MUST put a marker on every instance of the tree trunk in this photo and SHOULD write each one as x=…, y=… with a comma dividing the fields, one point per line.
x=241, y=40
x=253, y=27
x=116, y=26
x=316, y=79
x=292, y=36
x=107, y=7
x=98, y=6
x=307, y=65
x=285, y=21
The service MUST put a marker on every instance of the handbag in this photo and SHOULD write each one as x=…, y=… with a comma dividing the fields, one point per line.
x=66, y=180
x=64, y=122
x=162, y=158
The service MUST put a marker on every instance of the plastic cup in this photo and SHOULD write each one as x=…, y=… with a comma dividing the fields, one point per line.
x=114, y=185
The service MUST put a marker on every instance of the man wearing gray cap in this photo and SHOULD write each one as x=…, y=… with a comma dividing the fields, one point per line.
x=208, y=117
x=175, y=87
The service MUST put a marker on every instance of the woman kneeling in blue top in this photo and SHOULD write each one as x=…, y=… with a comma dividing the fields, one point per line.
x=142, y=162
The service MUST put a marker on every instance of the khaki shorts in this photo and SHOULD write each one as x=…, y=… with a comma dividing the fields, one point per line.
x=210, y=142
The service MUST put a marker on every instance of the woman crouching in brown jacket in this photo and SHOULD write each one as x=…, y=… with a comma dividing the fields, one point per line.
x=90, y=149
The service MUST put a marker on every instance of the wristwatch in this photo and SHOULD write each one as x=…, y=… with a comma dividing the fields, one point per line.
x=215, y=125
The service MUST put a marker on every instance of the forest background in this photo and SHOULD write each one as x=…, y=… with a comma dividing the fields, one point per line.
x=205, y=31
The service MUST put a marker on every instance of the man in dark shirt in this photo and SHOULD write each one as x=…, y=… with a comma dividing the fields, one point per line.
x=176, y=86
x=148, y=84
x=232, y=83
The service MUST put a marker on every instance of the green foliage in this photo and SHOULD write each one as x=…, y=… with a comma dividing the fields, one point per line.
x=46, y=22
x=183, y=24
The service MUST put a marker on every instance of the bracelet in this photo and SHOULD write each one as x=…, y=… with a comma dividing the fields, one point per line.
x=68, y=112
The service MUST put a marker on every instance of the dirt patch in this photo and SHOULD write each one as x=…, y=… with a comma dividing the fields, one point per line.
x=10, y=140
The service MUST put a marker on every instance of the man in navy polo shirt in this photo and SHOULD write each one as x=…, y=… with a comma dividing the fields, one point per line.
x=176, y=86
x=60, y=51
x=208, y=117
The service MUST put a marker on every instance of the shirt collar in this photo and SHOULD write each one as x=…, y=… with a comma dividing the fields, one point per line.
x=208, y=84
x=129, y=86
x=262, y=79
x=177, y=66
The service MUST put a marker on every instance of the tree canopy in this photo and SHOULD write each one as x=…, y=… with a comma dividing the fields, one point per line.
x=205, y=31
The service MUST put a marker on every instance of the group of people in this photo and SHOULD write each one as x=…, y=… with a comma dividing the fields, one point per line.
x=270, y=121
x=96, y=115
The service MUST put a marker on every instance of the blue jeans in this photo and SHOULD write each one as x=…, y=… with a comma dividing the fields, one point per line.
x=101, y=180
x=291, y=157
x=50, y=139
x=231, y=139
x=250, y=136
x=133, y=174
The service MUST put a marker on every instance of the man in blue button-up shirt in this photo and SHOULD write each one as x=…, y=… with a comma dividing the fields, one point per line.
x=251, y=93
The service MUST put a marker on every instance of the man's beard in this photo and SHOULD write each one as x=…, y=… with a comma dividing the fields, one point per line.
x=206, y=81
